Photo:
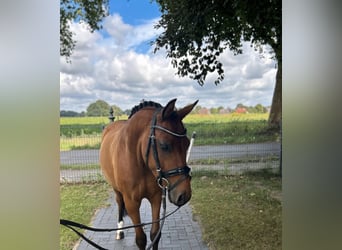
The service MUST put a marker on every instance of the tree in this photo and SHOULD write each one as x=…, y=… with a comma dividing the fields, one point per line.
x=214, y=111
x=196, y=32
x=117, y=110
x=68, y=113
x=240, y=105
x=88, y=11
x=98, y=108
x=260, y=109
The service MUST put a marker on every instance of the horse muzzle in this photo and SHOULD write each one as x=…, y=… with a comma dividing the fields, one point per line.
x=180, y=190
x=180, y=197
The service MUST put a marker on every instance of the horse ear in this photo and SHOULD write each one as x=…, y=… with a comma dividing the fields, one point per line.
x=186, y=110
x=169, y=109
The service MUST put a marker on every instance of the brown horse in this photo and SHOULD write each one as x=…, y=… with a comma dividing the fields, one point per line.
x=141, y=155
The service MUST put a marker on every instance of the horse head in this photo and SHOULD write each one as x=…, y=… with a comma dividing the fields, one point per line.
x=167, y=149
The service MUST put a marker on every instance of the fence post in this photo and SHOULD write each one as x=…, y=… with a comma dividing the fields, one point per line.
x=111, y=117
x=190, y=146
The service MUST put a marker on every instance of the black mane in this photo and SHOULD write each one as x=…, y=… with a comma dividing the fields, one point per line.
x=142, y=105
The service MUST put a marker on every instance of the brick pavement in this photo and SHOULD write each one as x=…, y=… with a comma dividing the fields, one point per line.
x=180, y=231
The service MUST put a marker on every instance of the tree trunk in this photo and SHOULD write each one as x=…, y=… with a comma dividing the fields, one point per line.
x=275, y=117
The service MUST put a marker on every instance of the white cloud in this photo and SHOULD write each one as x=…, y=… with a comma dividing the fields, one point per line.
x=143, y=33
x=115, y=27
x=124, y=36
x=110, y=66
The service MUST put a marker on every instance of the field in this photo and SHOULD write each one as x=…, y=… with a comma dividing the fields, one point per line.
x=85, y=132
x=82, y=120
x=191, y=118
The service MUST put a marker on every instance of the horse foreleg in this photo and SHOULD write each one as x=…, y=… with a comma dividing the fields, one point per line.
x=132, y=208
x=121, y=208
x=155, y=204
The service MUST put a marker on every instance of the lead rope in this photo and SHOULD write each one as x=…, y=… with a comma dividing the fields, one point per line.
x=162, y=221
x=71, y=224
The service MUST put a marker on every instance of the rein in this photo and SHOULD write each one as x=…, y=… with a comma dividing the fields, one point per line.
x=71, y=224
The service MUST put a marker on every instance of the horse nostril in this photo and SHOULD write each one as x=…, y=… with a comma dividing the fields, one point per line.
x=181, y=200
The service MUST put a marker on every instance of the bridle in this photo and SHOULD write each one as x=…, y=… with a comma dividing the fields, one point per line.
x=162, y=176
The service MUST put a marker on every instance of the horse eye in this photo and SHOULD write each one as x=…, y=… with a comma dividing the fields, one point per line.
x=164, y=146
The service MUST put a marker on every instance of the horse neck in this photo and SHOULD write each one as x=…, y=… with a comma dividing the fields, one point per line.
x=137, y=132
x=142, y=119
x=139, y=125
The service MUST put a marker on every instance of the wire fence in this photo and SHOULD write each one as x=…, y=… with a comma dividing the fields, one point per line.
x=227, y=148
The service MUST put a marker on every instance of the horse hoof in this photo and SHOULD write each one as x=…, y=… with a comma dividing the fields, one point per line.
x=120, y=235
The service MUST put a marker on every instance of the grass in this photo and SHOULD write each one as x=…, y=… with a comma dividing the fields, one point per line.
x=235, y=212
x=222, y=118
x=229, y=161
x=78, y=203
x=80, y=142
x=79, y=166
x=232, y=132
x=238, y=212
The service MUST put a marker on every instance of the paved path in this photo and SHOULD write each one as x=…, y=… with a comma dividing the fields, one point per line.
x=180, y=231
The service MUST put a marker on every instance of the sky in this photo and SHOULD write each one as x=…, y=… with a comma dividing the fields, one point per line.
x=117, y=65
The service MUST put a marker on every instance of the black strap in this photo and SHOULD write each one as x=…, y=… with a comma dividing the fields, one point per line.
x=81, y=235
x=177, y=171
x=162, y=221
x=151, y=139
x=70, y=224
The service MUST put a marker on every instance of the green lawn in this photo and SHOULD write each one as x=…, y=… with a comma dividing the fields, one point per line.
x=239, y=212
x=79, y=203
